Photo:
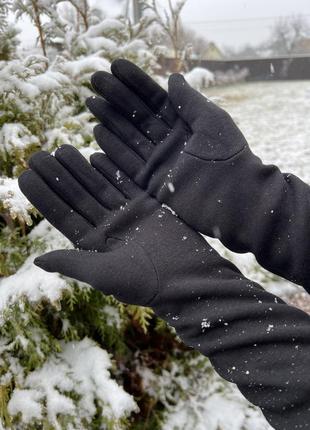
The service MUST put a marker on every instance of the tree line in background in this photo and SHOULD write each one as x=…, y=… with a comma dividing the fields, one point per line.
x=289, y=36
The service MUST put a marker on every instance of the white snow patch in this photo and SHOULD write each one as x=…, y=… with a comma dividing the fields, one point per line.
x=32, y=282
x=169, y=209
x=199, y=78
x=201, y=399
x=16, y=135
x=113, y=316
x=14, y=200
x=205, y=324
x=81, y=367
x=49, y=81
x=105, y=26
x=85, y=66
x=171, y=187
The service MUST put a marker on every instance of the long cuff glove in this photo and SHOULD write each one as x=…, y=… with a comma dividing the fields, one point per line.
x=140, y=252
x=188, y=153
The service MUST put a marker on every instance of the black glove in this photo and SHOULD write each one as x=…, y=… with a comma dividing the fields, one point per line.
x=187, y=152
x=140, y=252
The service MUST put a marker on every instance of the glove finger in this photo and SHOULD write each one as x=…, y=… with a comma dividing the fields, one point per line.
x=122, y=272
x=120, y=126
x=53, y=208
x=152, y=94
x=188, y=102
x=112, y=172
x=96, y=184
x=118, y=152
x=131, y=106
x=67, y=187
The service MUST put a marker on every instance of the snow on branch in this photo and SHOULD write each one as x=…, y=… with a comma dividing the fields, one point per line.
x=12, y=200
x=81, y=368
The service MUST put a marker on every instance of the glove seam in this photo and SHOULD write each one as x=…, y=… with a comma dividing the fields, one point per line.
x=217, y=160
x=155, y=272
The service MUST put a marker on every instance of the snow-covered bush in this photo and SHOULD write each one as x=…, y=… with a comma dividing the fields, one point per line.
x=230, y=76
x=44, y=392
x=195, y=397
x=14, y=202
x=200, y=78
x=55, y=371
x=63, y=344
x=8, y=33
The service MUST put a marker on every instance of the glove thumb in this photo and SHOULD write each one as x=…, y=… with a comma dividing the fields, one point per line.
x=122, y=272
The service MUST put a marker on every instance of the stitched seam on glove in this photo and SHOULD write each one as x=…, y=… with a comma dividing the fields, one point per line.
x=208, y=160
x=157, y=288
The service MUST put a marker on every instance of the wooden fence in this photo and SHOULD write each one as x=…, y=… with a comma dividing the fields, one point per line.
x=259, y=68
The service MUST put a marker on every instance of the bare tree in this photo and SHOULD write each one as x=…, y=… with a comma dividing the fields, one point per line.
x=169, y=21
x=77, y=12
x=38, y=23
x=82, y=9
x=199, y=45
x=34, y=10
x=245, y=51
x=137, y=10
x=287, y=33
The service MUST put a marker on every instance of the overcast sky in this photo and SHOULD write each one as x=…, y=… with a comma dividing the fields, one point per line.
x=227, y=22
x=237, y=22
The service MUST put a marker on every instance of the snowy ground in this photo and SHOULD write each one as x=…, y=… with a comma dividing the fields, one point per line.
x=275, y=119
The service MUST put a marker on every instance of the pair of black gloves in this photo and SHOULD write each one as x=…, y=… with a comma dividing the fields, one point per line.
x=175, y=164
